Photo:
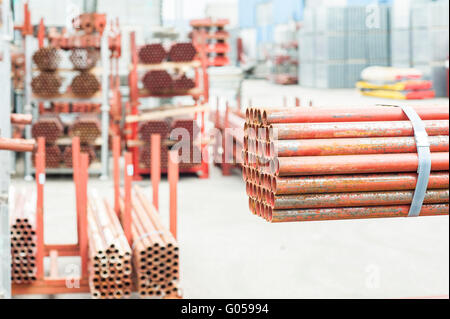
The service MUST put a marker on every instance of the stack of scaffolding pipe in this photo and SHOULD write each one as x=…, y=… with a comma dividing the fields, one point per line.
x=322, y=164
x=110, y=269
x=23, y=236
x=155, y=250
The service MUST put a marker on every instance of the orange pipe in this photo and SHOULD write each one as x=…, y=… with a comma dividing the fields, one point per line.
x=354, y=164
x=40, y=180
x=83, y=237
x=375, y=113
x=126, y=214
x=21, y=119
x=155, y=154
x=17, y=144
x=173, y=180
x=116, y=158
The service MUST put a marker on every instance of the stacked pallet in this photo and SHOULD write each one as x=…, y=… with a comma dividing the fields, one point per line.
x=23, y=236
x=110, y=269
x=326, y=164
x=155, y=250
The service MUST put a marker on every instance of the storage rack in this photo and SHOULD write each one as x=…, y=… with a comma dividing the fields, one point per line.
x=103, y=97
x=217, y=38
x=200, y=95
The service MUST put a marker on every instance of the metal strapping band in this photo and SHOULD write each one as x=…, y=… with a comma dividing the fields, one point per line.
x=424, y=167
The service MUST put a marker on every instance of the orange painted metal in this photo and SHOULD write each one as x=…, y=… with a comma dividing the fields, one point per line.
x=278, y=216
x=354, y=164
x=353, y=183
x=375, y=113
x=116, y=172
x=155, y=167
x=352, y=146
x=82, y=218
x=40, y=180
x=22, y=119
x=357, y=199
x=293, y=131
x=173, y=180
x=17, y=144
x=126, y=214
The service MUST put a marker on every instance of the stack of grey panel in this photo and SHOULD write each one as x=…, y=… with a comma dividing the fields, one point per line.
x=429, y=42
x=337, y=43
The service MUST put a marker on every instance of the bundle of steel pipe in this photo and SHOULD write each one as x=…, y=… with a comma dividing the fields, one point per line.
x=182, y=83
x=53, y=156
x=327, y=164
x=158, y=82
x=87, y=127
x=84, y=59
x=152, y=53
x=182, y=52
x=46, y=84
x=110, y=268
x=23, y=236
x=155, y=250
x=47, y=59
x=145, y=155
x=85, y=85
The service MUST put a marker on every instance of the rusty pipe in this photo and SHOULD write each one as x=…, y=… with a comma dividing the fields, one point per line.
x=278, y=216
x=368, y=114
x=354, y=164
x=354, y=183
x=356, y=199
x=292, y=131
x=17, y=144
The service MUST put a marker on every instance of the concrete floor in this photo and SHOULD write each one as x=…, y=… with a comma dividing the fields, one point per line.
x=226, y=252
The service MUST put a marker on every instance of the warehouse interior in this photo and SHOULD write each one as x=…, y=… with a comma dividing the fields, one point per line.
x=224, y=149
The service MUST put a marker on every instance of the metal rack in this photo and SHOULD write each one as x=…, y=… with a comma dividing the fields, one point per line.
x=31, y=106
x=200, y=94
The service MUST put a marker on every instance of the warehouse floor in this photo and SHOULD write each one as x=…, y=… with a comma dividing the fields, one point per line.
x=228, y=253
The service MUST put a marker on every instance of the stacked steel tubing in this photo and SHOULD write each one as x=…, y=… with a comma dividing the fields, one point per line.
x=84, y=59
x=47, y=59
x=110, y=268
x=46, y=84
x=87, y=127
x=182, y=83
x=23, y=236
x=17, y=144
x=48, y=126
x=158, y=82
x=155, y=250
x=152, y=53
x=88, y=149
x=182, y=52
x=145, y=156
x=148, y=128
x=85, y=85
x=328, y=164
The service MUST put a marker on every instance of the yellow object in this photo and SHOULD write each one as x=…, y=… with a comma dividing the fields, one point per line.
x=388, y=94
x=398, y=86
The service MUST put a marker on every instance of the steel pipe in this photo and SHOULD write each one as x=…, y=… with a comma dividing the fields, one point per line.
x=17, y=144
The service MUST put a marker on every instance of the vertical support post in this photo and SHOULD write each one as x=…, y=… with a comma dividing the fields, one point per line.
x=105, y=103
x=297, y=102
x=83, y=237
x=76, y=162
x=226, y=169
x=155, y=154
x=285, y=101
x=40, y=181
x=173, y=181
x=116, y=172
x=41, y=33
x=28, y=108
x=126, y=215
